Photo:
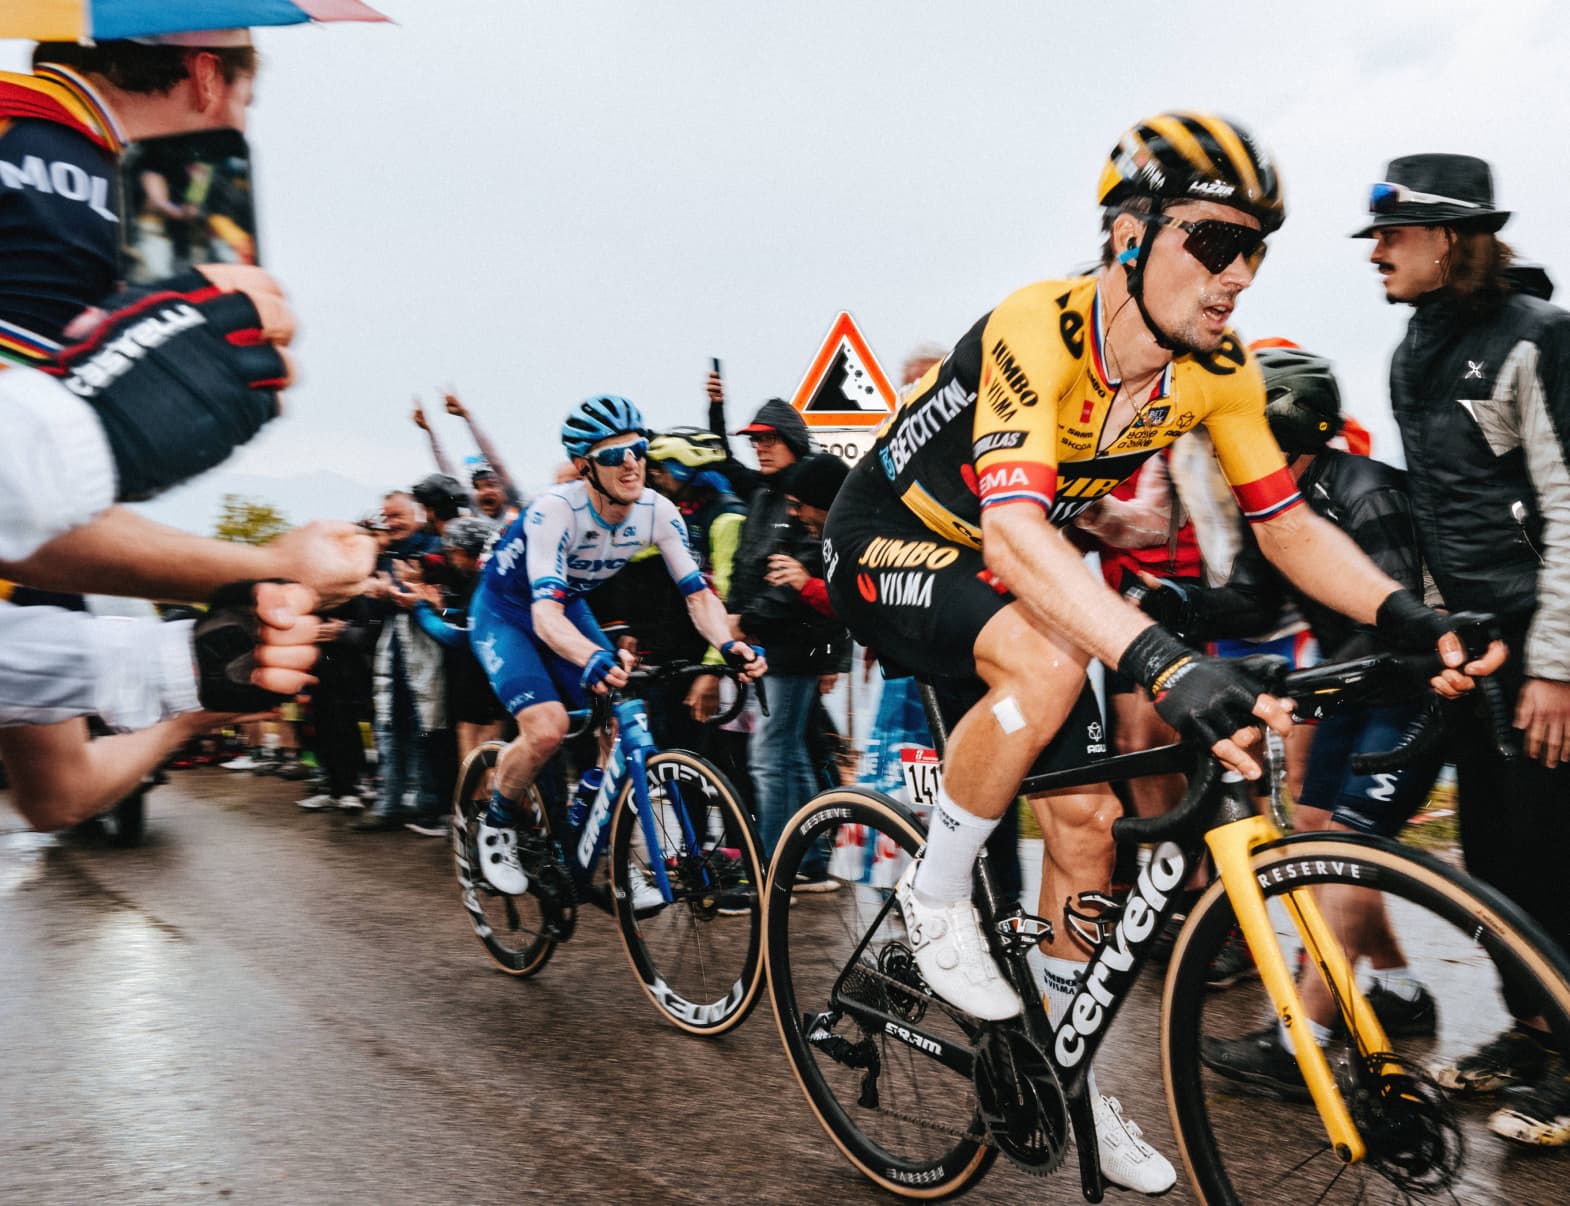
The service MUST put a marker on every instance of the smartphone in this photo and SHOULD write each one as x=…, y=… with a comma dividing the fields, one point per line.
x=714, y=365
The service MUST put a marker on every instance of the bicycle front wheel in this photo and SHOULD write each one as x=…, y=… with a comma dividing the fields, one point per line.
x=512, y=929
x=1247, y=1129
x=904, y=1119
x=699, y=956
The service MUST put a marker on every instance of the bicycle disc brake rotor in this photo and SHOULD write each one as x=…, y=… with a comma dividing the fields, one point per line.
x=1414, y=1137
x=898, y=963
x=1020, y=1100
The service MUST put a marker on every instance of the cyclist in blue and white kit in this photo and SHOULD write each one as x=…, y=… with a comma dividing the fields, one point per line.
x=531, y=628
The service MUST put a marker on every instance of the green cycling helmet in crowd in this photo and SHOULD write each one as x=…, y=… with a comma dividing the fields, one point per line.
x=685, y=452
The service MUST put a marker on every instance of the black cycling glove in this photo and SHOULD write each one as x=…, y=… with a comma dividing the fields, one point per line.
x=1204, y=698
x=1406, y=625
x=179, y=374
x=224, y=642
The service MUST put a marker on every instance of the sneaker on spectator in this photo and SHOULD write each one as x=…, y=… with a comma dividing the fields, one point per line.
x=815, y=882
x=316, y=803
x=1231, y=963
x=243, y=763
x=1402, y=1018
x=267, y=767
x=737, y=902
x=1513, y=1058
x=1257, y=1060
x=350, y=804
x=432, y=825
x=952, y=954
x=1536, y=1117
x=1126, y=1159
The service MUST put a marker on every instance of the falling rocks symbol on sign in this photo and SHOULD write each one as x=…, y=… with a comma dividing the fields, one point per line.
x=846, y=386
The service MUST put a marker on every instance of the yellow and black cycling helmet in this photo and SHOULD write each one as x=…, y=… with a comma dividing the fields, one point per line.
x=686, y=451
x=1194, y=157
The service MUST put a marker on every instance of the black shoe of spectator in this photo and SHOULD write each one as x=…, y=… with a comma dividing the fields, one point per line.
x=375, y=822
x=1257, y=1060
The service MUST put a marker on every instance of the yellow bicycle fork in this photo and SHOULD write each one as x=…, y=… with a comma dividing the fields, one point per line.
x=1231, y=845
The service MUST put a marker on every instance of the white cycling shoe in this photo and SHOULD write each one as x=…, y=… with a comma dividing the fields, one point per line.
x=646, y=898
x=1126, y=1159
x=953, y=956
x=498, y=850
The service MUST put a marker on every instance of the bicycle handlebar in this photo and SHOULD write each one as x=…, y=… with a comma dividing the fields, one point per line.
x=1381, y=677
x=596, y=714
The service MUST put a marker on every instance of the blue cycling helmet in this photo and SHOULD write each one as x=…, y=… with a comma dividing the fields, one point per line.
x=598, y=418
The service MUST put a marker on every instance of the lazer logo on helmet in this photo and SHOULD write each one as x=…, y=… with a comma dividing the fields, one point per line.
x=1211, y=188
x=1108, y=974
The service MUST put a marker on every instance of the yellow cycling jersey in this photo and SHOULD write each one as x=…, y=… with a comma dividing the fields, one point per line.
x=1017, y=414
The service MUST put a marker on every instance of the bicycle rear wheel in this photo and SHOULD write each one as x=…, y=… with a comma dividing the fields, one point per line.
x=513, y=929
x=699, y=957
x=1247, y=1130
x=909, y=1123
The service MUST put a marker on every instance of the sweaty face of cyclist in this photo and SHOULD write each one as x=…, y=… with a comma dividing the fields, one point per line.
x=1187, y=300
x=623, y=482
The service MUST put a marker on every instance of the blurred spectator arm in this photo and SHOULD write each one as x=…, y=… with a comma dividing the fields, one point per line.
x=120, y=552
x=438, y=453
x=60, y=777
x=488, y=450
x=1141, y=522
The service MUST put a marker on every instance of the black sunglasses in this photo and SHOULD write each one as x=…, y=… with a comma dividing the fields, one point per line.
x=615, y=457
x=1215, y=244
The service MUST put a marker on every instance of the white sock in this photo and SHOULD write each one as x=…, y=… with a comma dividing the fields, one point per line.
x=1058, y=979
x=1397, y=980
x=1321, y=1035
x=954, y=839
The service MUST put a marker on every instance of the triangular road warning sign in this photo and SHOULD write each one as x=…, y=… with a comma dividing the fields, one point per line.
x=845, y=387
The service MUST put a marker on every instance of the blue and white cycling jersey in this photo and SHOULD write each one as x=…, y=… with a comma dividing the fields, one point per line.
x=560, y=549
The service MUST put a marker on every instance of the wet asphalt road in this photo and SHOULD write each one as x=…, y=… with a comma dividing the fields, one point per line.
x=260, y=1006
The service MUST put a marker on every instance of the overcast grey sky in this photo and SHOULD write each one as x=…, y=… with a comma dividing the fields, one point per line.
x=539, y=201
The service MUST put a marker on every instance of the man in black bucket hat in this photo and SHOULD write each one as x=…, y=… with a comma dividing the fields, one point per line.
x=1480, y=388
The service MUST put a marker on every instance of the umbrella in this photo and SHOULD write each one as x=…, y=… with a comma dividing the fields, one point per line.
x=102, y=20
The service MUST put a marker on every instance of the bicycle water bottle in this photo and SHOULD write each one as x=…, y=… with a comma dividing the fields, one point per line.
x=583, y=798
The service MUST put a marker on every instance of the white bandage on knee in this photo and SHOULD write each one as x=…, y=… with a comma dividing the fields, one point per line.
x=1006, y=712
x=953, y=842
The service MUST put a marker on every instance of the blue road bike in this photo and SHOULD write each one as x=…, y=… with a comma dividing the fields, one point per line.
x=682, y=878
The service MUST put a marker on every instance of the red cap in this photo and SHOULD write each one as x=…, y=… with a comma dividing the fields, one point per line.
x=750, y=428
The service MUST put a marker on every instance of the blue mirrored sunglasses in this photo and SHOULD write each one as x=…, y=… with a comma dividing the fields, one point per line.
x=614, y=458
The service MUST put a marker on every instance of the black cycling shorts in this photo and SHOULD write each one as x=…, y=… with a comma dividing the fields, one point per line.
x=1380, y=804
x=919, y=602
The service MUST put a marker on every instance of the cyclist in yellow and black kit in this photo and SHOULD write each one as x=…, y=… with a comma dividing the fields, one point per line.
x=945, y=552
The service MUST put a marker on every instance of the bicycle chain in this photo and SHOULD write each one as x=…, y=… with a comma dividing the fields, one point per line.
x=972, y=1134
